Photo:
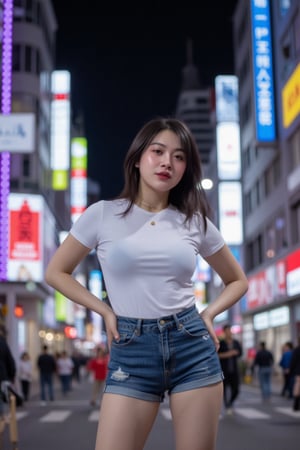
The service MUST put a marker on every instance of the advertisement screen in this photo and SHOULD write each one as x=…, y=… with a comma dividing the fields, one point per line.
x=25, y=252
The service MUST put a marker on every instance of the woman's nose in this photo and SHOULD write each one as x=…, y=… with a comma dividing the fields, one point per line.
x=166, y=161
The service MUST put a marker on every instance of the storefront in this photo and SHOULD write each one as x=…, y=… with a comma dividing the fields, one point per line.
x=271, y=312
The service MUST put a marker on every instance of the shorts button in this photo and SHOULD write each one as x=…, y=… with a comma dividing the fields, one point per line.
x=162, y=322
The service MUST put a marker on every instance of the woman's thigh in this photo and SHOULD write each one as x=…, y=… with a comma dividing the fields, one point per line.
x=125, y=422
x=196, y=416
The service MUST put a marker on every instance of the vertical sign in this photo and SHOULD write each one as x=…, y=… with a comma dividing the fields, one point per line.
x=263, y=71
x=25, y=256
x=60, y=128
x=78, y=177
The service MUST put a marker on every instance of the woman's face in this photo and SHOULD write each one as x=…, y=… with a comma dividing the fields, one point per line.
x=162, y=163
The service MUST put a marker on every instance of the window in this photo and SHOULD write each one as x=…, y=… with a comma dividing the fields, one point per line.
x=270, y=242
x=295, y=223
x=16, y=58
x=297, y=33
x=247, y=204
x=277, y=170
x=254, y=253
x=284, y=6
x=280, y=230
x=287, y=54
x=28, y=59
x=276, y=236
x=268, y=177
x=295, y=149
x=26, y=166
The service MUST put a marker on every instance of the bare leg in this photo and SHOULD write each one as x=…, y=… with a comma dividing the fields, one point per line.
x=124, y=422
x=97, y=389
x=196, y=416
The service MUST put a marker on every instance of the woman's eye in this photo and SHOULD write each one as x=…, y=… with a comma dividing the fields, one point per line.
x=180, y=157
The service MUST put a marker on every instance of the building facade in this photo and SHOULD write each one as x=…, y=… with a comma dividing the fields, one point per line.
x=39, y=197
x=267, y=64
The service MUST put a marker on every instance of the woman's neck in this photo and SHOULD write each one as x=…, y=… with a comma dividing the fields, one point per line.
x=151, y=206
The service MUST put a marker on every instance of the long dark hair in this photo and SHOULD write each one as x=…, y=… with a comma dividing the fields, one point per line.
x=188, y=195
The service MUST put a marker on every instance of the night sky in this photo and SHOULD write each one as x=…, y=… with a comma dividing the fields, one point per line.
x=127, y=69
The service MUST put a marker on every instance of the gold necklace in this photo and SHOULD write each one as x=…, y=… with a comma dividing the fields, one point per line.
x=148, y=207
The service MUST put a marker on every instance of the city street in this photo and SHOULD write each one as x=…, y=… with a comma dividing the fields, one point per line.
x=72, y=423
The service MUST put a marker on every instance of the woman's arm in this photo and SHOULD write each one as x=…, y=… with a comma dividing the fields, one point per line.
x=59, y=275
x=235, y=286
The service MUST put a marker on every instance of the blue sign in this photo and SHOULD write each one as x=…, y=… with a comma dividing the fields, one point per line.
x=263, y=71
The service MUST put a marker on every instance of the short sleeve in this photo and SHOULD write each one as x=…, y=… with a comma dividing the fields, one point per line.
x=212, y=240
x=86, y=227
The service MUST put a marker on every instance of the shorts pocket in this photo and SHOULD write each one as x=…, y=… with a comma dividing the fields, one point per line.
x=126, y=337
x=195, y=328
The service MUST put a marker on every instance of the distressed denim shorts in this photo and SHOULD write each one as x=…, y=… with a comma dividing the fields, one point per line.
x=153, y=356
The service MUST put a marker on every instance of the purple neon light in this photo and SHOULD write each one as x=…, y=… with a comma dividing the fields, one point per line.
x=6, y=71
x=6, y=56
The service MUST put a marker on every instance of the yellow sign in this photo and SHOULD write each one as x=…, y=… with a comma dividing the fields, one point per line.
x=60, y=180
x=291, y=98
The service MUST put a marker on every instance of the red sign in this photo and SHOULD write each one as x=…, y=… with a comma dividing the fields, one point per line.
x=24, y=243
x=267, y=286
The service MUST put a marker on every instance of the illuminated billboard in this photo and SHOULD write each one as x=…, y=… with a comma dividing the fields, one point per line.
x=25, y=252
x=229, y=151
x=263, y=71
x=78, y=177
x=291, y=98
x=227, y=109
x=230, y=212
x=293, y=273
x=17, y=132
x=60, y=128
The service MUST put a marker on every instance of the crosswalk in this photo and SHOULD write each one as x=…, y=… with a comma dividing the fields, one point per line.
x=60, y=415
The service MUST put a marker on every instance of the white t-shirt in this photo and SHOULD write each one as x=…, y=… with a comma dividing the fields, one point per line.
x=147, y=258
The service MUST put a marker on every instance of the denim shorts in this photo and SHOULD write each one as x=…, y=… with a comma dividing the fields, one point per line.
x=153, y=356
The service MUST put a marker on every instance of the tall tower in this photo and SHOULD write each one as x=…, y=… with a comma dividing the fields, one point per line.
x=194, y=106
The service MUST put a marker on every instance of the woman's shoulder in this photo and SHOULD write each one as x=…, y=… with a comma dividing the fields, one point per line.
x=110, y=205
x=103, y=207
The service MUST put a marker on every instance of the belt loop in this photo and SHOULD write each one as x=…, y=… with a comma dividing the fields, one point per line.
x=138, y=327
x=178, y=325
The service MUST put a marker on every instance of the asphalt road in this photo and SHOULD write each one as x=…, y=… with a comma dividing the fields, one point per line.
x=72, y=423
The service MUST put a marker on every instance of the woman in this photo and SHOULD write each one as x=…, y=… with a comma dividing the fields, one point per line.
x=98, y=368
x=65, y=366
x=147, y=241
x=25, y=374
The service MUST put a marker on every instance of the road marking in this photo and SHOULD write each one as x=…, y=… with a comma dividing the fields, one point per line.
x=246, y=412
x=94, y=416
x=166, y=413
x=65, y=403
x=251, y=413
x=288, y=411
x=21, y=414
x=56, y=416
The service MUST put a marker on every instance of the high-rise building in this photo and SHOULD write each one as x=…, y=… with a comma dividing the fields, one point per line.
x=195, y=106
x=36, y=212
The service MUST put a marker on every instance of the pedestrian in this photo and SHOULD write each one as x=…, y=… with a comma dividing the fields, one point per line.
x=47, y=368
x=147, y=240
x=25, y=374
x=98, y=368
x=264, y=361
x=7, y=365
x=229, y=352
x=295, y=373
x=284, y=363
x=64, y=368
x=77, y=359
